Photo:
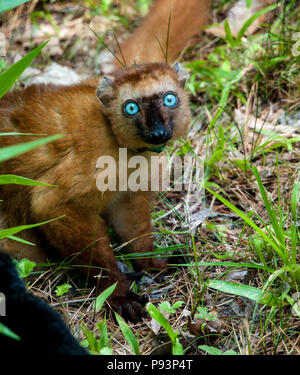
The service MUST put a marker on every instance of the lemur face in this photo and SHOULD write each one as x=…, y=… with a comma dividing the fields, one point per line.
x=146, y=104
x=153, y=116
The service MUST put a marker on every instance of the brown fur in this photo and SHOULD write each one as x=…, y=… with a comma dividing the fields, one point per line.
x=92, y=128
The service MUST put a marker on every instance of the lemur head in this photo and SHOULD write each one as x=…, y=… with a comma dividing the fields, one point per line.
x=146, y=104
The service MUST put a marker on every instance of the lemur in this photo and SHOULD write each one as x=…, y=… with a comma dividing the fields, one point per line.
x=137, y=107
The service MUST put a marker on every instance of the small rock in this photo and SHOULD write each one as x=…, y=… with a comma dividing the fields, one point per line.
x=106, y=62
x=55, y=74
x=237, y=275
x=282, y=119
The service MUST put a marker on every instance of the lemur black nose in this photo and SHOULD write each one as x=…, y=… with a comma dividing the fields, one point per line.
x=159, y=135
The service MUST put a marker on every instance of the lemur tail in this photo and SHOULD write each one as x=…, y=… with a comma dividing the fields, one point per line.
x=188, y=17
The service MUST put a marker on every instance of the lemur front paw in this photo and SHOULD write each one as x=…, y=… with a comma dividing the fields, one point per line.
x=130, y=306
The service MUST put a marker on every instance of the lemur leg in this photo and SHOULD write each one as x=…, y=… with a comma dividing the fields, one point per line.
x=87, y=244
x=132, y=222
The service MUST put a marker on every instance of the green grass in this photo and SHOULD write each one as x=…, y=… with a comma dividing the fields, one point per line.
x=6, y=5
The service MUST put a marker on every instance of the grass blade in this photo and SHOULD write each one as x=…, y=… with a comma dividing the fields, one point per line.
x=128, y=334
x=247, y=220
x=161, y=48
x=8, y=78
x=15, y=150
x=120, y=50
x=215, y=351
x=9, y=333
x=250, y=292
x=228, y=32
x=107, y=47
x=10, y=4
x=228, y=264
x=158, y=316
x=21, y=240
x=168, y=36
x=18, y=180
x=270, y=210
x=15, y=133
x=252, y=19
x=177, y=348
x=295, y=201
x=11, y=231
x=92, y=342
x=102, y=328
x=210, y=350
x=103, y=297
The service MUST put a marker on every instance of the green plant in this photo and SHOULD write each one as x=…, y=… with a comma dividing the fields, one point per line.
x=215, y=351
x=62, y=289
x=153, y=311
x=166, y=306
x=230, y=71
x=282, y=241
x=202, y=313
x=101, y=346
x=97, y=346
x=99, y=7
x=108, y=9
x=143, y=6
x=25, y=267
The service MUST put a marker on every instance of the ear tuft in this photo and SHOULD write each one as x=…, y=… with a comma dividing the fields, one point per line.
x=105, y=90
x=183, y=75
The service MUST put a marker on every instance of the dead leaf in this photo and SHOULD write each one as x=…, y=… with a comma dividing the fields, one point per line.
x=200, y=327
x=237, y=16
x=266, y=124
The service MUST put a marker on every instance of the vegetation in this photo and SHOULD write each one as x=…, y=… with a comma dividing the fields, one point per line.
x=239, y=291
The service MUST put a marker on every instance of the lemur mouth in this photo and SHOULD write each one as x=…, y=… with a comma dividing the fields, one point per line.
x=154, y=145
x=157, y=140
x=157, y=149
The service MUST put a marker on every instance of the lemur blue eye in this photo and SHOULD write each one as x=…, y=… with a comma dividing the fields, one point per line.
x=131, y=108
x=170, y=100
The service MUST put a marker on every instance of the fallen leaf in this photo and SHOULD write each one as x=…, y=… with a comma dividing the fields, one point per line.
x=237, y=16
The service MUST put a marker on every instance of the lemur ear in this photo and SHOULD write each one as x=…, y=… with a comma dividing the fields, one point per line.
x=183, y=75
x=105, y=91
